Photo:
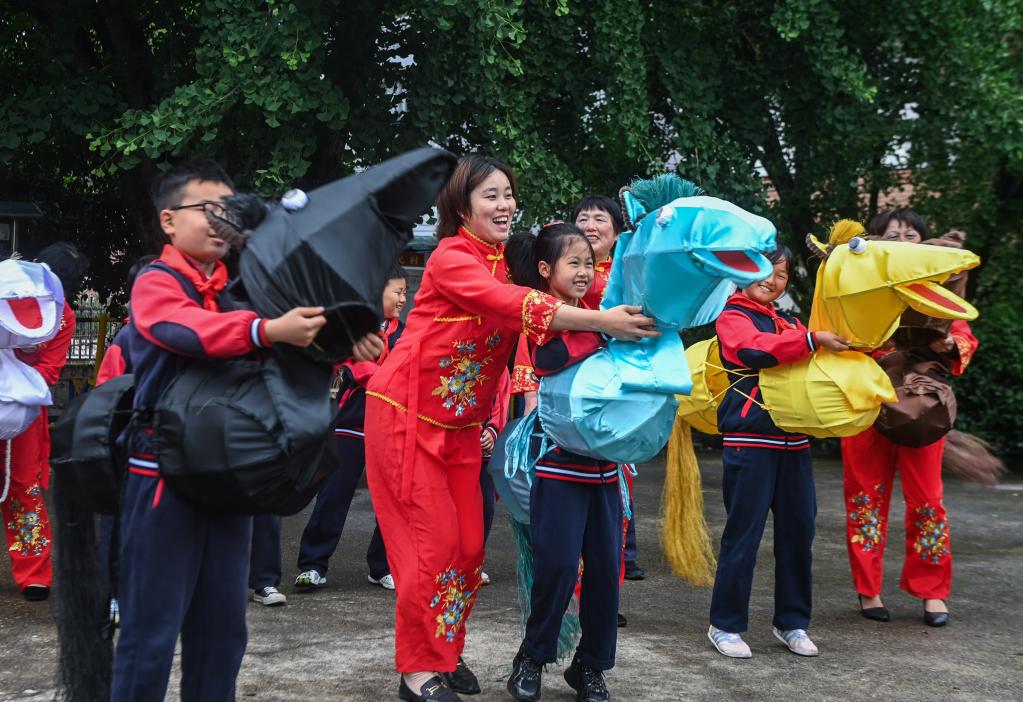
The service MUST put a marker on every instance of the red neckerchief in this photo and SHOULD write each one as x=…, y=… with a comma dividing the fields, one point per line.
x=390, y=326
x=208, y=286
x=739, y=299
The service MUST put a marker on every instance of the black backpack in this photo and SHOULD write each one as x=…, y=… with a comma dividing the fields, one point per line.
x=85, y=451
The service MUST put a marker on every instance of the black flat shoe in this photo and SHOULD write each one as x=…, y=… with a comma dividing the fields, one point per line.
x=622, y=621
x=936, y=618
x=36, y=593
x=525, y=680
x=435, y=690
x=462, y=680
x=877, y=614
x=587, y=682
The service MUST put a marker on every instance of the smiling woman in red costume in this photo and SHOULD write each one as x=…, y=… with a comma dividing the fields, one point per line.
x=424, y=410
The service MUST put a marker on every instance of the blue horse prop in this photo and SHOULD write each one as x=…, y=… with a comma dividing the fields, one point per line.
x=685, y=254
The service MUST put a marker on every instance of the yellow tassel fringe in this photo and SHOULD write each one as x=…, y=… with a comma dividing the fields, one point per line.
x=684, y=536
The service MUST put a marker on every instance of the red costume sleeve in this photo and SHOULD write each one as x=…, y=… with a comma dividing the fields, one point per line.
x=522, y=378
x=743, y=344
x=50, y=357
x=113, y=365
x=965, y=346
x=164, y=314
x=564, y=350
x=460, y=278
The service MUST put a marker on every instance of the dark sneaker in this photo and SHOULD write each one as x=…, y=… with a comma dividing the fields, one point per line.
x=462, y=680
x=634, y=572
x=622, y=621
x=587, y=682
x=435, y=690
x=526, y=676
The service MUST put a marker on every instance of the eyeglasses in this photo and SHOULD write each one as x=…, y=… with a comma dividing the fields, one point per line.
x=216, y=209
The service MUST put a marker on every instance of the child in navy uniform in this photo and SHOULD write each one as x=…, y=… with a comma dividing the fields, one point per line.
x=323, y=531
x=765, y=469
x=184, y=568
x=575, y=502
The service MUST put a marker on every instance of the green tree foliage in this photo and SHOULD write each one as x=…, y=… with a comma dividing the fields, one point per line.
x=803, y=110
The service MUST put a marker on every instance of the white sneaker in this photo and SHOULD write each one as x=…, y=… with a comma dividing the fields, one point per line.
x=797, y=641
x=269, y=596
x=728, y=644
x=484, y=578
x=310, y=580
x=386, y=582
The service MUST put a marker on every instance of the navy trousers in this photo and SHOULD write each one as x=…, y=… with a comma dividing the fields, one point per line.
x=569, y=519
x=183, y=570
x=323, y=532
x=756, y=481
x=265, y=557
x=489, y=498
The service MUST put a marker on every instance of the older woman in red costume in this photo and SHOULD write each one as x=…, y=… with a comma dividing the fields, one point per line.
x=424, y=410
x=871, y=460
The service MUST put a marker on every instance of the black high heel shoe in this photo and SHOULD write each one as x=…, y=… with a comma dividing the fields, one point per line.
x=935, y=618
x=877, y=614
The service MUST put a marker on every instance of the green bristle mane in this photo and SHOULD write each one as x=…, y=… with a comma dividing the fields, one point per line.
x=658, y=191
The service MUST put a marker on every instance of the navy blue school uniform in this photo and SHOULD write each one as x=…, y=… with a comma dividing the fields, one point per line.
x=322, y=533
x=575, y=510
x=183, y=568
x=765, y=469
x=265, y=555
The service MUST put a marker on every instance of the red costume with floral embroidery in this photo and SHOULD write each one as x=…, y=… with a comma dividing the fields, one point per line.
x=25, y=519
x=424, y=412
x=870, y=462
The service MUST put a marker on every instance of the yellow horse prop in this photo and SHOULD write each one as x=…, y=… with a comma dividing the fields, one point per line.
x=862, y=289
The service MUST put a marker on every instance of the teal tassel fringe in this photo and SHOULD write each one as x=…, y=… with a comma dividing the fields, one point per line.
x=568, y=637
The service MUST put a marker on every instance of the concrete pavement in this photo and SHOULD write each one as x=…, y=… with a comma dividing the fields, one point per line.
x=336, y=643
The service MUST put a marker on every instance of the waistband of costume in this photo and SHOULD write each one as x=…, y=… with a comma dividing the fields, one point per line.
x=422, y=417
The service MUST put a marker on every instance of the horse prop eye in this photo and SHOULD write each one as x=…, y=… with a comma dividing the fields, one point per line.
x=858, y=245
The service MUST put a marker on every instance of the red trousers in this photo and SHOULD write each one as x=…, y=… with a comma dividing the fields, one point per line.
x=870, y=463
x=430, y=510
x=24, y=512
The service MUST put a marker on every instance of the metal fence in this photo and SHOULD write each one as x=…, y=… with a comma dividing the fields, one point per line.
x=94, y=330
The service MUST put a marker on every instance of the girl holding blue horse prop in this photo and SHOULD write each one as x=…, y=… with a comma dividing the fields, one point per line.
x=575, y=504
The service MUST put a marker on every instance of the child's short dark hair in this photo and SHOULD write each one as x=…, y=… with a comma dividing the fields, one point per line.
x=68, y=263
x=397, y=272
x=782, y=253
x=605, y=204
x=879, y=223
x=166, y=190
x=136, y=268
x=525, y=251
x=453, y=200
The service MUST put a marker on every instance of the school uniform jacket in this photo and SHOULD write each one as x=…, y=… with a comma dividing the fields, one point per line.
x=355, y=376
x=180, y=316
x=753, y=336
x=117, y=358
